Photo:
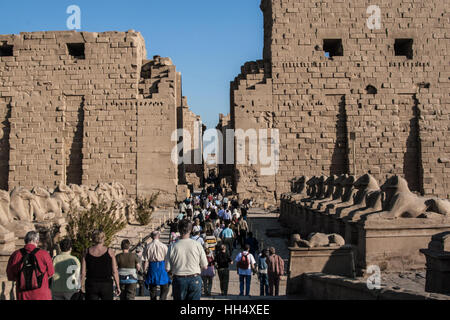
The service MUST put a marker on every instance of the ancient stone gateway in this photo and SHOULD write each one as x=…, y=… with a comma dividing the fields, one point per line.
x=86, y=108
x=347, y=98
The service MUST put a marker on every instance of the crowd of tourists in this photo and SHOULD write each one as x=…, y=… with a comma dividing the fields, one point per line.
x=208, y=228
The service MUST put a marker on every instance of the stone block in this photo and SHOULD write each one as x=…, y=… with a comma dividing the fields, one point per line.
x=328, y=260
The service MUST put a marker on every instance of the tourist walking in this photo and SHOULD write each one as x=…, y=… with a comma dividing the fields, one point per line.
x=128, y=264
x=234, y=225
x=210, y=241
x=183, y=207
x=244, y=211
x=189, y=210
x=227, y=216
x=246, y=265
x=197, y=226
x=223, y=261
x=275, y=266
x=253, y=243
x=31, y=262
x=184, y=261
x=227, y=236
x=217, y=231
x=66, y=281
x=174, y=234
x=262, y=272
x=196, y=237
x=155, y=265
x=99, y=269
x=242, y=231
x=209, y=225
x=209, y=273
x=141, y=272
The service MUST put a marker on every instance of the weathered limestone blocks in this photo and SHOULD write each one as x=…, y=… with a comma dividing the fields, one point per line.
x=394, y=245
x=336, y=109
x=438, y=264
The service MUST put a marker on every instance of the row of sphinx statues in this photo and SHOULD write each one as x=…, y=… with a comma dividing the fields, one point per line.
x=353, y=199
x=20, y=207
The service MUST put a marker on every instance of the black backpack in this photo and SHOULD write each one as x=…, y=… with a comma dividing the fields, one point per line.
x=30, y=275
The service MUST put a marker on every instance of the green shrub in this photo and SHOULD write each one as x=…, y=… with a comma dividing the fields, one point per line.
x=82, y=222
x=144, y=209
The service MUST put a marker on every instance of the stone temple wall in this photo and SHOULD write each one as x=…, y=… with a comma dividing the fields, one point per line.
x=379, y=103
x=224, y=125
x=191, y=172
x=85, y=108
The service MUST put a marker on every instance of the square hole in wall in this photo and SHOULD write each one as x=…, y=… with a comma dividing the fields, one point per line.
x=6, y=50
x=333, y=47
x=76, y=50
x=404, y=47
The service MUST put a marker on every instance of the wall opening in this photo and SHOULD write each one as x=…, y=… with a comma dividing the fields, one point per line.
x=404, y=47
x=333, y=47
x=370, y=89
x=76, y=50
x=6, y=50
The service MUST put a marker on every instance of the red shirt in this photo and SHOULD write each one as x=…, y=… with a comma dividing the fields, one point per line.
x=45, y=264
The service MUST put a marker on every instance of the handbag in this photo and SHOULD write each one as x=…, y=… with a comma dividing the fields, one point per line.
x=209, y=272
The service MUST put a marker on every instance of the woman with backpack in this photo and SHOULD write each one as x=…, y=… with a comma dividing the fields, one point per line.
x=98, y=269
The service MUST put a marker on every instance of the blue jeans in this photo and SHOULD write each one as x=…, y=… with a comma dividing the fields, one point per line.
x=187, y=288
x=247, y=280
x=264, y=284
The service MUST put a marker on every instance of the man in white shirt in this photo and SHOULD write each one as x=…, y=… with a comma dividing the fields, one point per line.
x=184, y=261
x=246, y=265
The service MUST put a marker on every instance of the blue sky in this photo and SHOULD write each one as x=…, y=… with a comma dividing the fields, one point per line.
x=208, y=41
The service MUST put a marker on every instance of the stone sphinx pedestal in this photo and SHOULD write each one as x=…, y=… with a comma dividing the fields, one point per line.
x=329, y=260
x=438, y=264
x=7, y=246
x=394, y=244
